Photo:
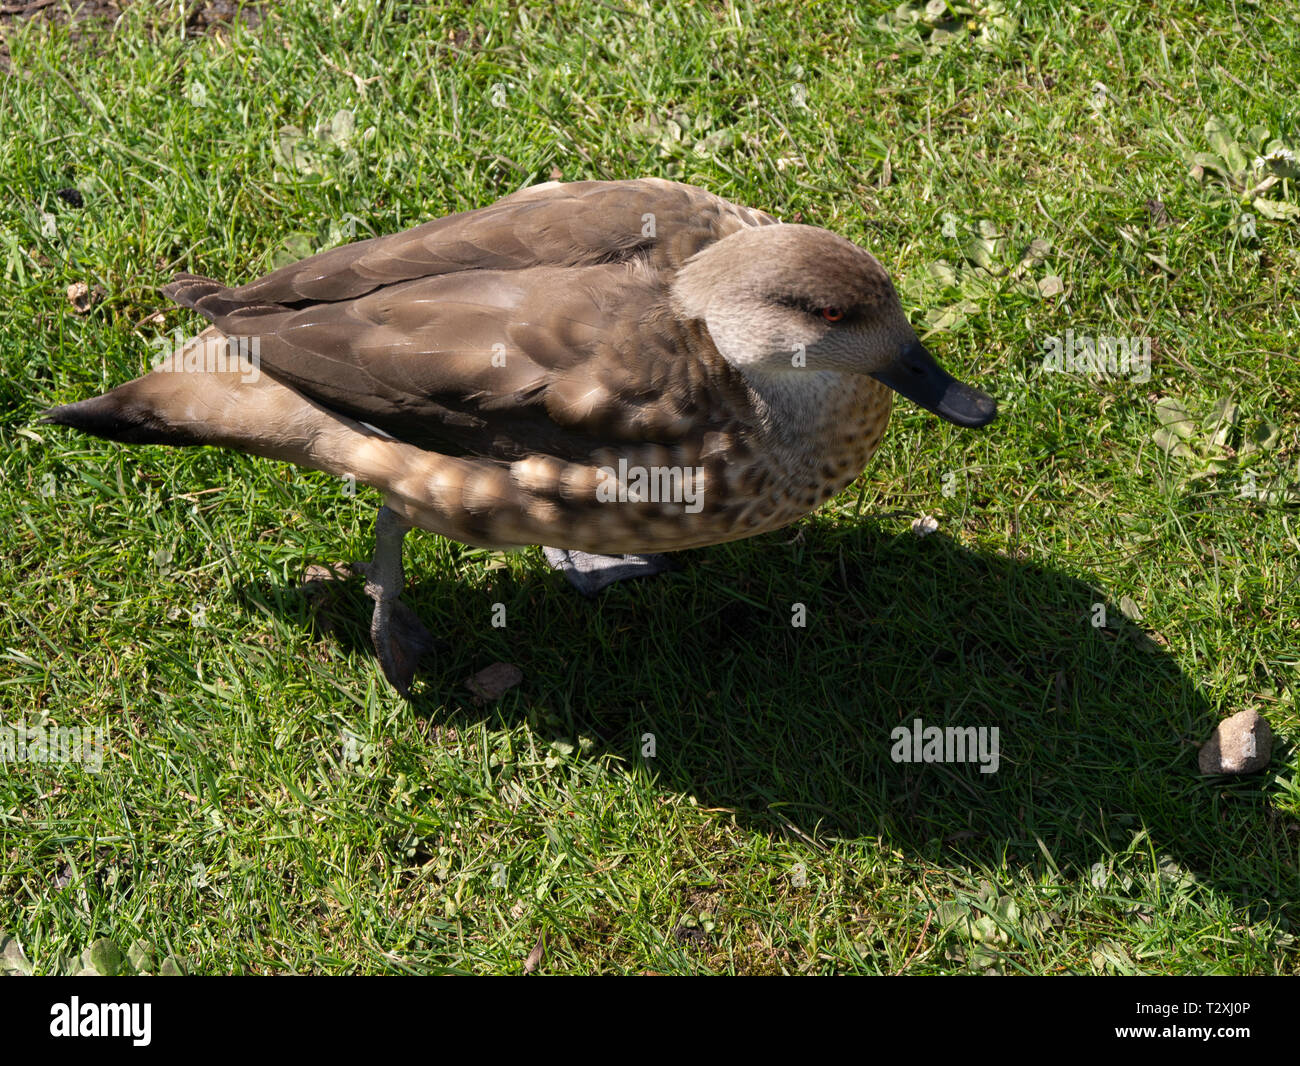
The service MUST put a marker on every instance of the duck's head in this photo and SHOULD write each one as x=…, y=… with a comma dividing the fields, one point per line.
x=787, y=300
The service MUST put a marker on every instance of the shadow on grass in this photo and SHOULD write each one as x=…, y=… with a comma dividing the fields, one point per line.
x=790, y=727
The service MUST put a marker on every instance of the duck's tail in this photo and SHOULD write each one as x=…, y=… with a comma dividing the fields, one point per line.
x=167, y=406
x=160, y=410
x=203, y=394
x=118, y=415
x=209, y=391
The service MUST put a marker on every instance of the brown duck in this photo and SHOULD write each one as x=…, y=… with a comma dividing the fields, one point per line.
x=610, y=367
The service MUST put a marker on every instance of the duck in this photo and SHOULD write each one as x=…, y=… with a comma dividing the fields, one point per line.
x=612, y=370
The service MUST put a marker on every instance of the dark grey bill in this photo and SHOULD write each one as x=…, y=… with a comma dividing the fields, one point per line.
x=917, y=376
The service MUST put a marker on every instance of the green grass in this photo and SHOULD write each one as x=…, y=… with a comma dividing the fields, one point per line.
x=268, y=804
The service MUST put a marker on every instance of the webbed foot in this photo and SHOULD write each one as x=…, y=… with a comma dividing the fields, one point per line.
x=590, y=573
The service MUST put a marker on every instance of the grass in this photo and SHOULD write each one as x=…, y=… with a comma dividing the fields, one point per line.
x=268, y=804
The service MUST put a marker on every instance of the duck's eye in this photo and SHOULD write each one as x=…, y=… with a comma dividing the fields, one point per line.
x=832, y=314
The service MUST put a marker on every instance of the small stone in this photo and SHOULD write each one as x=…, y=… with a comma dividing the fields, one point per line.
x=316, y=574
x=925, y=525
x=490, y=685
x=1241, y=744
x=79, y=297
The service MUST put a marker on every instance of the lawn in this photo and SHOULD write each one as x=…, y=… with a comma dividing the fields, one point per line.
x=683, y=781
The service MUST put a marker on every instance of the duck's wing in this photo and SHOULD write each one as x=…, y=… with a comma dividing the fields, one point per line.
x=556, y=224
x=560, y=361
x=535, y=325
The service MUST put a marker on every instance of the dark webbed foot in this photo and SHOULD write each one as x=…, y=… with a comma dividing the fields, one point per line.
x=399, y=636
x=590, y=573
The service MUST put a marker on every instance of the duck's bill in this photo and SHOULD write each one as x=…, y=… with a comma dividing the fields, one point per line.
x=917, y=376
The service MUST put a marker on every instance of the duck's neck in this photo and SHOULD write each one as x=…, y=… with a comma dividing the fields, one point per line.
x=805, y=413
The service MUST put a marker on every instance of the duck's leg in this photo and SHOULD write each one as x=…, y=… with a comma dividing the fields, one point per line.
x=399, y=636
x=590, y=573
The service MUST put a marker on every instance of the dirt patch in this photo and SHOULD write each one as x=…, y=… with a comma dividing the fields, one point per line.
x=56, y=11
x=201, y=16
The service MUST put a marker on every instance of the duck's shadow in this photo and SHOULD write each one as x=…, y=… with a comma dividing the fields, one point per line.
x=790, y=726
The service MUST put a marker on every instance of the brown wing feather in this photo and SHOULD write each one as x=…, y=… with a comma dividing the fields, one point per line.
x=562, y=225
x=499, y=332
x=560, y=361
